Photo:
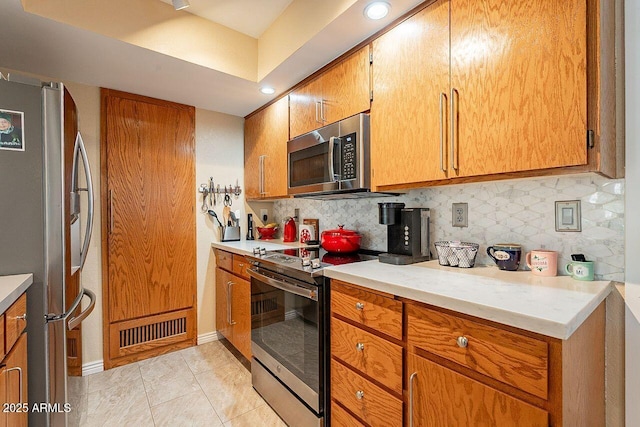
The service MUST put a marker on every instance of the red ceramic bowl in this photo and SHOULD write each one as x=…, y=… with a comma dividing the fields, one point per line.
x=267, y=233
x=340, y=240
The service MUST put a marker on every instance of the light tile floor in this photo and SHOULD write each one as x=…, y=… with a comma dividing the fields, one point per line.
x=199, y=386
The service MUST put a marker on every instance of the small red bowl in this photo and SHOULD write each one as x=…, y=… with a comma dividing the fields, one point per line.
x=267, y=233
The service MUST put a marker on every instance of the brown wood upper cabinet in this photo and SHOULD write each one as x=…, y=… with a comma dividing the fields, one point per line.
x=337, y=93
x=265, y=151
x=468, y=88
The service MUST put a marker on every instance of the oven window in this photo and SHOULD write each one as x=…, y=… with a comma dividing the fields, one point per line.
x=285, y=325
x=309, y=166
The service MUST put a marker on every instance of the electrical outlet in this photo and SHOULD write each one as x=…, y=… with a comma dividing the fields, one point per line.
x=460, y=214
x=264, y=215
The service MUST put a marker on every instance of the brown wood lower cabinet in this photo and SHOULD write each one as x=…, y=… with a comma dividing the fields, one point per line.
x=233, y=301
x=13, y=368
x=459, y=370
x=442, y=397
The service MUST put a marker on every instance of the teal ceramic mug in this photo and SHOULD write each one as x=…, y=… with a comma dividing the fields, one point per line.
x=580, y=270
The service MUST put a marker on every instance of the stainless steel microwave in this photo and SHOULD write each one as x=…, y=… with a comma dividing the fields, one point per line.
x=331, y=162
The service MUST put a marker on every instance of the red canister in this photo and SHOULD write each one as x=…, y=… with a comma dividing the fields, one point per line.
x=289, y=233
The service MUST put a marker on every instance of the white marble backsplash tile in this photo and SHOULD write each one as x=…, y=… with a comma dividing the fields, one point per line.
x=518, y=211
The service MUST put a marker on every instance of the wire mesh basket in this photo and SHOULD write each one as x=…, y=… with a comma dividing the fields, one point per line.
x=457, y=254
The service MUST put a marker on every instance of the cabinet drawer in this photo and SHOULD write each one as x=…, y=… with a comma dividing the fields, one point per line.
x=240, y=265
x=374, y=406
x=15, y=321
x=511, y=358
x=368, y=353
x=224, y=260
x=367, y=308
x=341, y=418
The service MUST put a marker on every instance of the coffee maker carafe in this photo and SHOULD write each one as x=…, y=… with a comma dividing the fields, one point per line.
x=407, y=233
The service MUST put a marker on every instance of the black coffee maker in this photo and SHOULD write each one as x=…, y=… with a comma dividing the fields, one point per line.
x=407, y=233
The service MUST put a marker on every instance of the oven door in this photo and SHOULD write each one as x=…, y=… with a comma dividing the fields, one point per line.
x=286, y=332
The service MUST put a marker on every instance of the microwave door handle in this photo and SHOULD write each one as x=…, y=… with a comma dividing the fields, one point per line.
x=90, y=201
x=332, y=160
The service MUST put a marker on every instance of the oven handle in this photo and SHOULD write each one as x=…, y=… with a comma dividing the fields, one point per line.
x=285, y=286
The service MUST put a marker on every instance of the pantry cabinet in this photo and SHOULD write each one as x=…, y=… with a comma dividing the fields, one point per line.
x=340, y=92
x=233, y=301
x=396, y=361
x=265, y=152
x=473, y=88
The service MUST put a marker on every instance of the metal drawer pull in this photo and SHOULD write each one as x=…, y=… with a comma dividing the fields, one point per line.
x=359, y=394
x=360, y=346
x=20, y=386
x=359, y=306
x=23, y=317
x=462, y=342
x=411, y=378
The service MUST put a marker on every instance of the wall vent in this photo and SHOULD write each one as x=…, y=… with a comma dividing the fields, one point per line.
x=152, y=332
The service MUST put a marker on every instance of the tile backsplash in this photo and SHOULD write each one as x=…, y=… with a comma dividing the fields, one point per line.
x=518, y=211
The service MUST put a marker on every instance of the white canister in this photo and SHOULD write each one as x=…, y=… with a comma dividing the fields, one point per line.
x=307, y=232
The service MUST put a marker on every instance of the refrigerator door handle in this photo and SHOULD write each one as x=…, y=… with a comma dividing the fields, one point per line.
x=75, y=321
x=57, y=317
x=80, y=149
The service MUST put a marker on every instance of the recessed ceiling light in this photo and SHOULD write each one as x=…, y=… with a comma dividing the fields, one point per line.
x=180, y=4
x=267, y=90
x=377, y=10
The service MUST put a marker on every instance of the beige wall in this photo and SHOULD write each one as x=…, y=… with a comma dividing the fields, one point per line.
x=219, y=154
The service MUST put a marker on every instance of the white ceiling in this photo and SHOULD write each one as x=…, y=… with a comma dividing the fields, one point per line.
x=250, y=17
x=33, y=44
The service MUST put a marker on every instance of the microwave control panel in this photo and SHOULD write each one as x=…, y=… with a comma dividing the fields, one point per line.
x=349, y=157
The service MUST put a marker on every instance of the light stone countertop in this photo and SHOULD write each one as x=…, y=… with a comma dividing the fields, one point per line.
x=11, y=287
x=245, y=247
x=552, y=306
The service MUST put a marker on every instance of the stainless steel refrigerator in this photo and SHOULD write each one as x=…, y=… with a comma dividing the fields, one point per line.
x=44, y=173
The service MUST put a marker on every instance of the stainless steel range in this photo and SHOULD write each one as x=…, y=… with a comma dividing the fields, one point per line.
x=289, y=331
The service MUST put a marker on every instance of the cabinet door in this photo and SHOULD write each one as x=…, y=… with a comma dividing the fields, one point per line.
x=410, y=93
x=442, y=397
x=266, y=136
x=345, y=87
x=518, y=70
x=15, y=373
x=241, y=315
x=222, y=303
x=304, y=105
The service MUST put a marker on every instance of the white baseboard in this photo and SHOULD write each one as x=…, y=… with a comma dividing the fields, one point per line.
x=208, y=337
x=92, y=367
x=98, y=365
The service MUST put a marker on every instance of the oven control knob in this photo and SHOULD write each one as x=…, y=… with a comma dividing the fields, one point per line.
x=359, y=394
x=360, y=346
x=359, y=306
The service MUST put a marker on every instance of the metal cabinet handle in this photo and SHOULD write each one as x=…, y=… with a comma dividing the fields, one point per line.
x=411, y=378
x=359, y=394
x=229, y=305
x=323, y=119
x=462, y=341
x=443, y=97
x=360, y=346
x=454, y=128
x=22, y=317
x=19, y=369
x=359, y=306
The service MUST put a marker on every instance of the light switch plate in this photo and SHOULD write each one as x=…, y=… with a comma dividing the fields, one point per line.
x=568, y=216
x=460, y=212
